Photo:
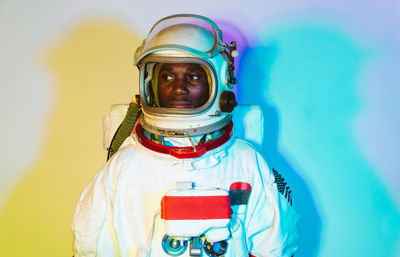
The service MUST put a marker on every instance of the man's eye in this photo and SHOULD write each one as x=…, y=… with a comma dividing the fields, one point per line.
x=167, y=77
x=193, y=77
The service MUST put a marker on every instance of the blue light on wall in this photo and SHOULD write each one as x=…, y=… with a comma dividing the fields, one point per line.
x=307, y=78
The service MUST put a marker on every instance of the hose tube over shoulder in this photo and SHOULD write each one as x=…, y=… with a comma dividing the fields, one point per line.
x=124, y=130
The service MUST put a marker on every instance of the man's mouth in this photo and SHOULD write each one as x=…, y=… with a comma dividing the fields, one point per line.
x=180, y=104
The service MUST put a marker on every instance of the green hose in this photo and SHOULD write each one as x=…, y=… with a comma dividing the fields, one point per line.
x=124, y=130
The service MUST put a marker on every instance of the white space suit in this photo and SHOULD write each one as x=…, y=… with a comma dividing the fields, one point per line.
x=122, y=212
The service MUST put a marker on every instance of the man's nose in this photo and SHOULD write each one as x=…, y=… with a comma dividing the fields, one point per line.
x=180, y=87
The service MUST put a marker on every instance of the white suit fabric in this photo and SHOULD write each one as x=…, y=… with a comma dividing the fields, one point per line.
x=118, y=213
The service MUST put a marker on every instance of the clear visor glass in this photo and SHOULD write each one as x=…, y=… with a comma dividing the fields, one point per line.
x=177, y=87
x=191, y=34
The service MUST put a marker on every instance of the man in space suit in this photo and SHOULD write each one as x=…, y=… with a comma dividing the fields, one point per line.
x=181, y=185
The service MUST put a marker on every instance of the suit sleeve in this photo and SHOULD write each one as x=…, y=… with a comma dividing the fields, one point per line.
x=89, y=221
x=271, y=222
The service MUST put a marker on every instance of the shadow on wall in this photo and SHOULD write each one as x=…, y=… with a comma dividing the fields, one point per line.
x=91, y=66
x=305, y=78
x=253, y=77
x=255, y=67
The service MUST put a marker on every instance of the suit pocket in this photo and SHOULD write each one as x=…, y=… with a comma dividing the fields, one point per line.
x=87, y=225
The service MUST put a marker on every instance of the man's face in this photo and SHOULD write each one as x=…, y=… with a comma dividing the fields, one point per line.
x=182, y=85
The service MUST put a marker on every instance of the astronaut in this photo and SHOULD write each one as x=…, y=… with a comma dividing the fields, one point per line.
x=181, y=184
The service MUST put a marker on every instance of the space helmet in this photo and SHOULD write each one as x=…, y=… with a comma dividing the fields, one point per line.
x=186, y=39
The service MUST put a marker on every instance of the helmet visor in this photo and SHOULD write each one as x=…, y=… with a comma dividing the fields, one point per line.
x=177, y=87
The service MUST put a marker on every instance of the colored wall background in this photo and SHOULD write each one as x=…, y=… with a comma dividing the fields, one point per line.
x=326, y=74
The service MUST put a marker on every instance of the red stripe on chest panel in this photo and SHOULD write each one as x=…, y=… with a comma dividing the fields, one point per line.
x=195, y=208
